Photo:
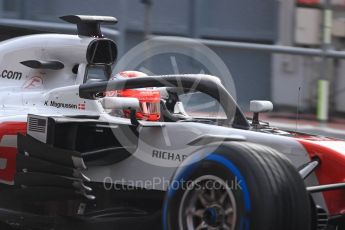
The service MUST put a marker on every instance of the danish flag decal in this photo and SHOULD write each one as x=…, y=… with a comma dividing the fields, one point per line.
x=81, y=106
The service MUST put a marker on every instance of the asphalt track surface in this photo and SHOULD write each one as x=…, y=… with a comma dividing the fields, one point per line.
x=335, y=127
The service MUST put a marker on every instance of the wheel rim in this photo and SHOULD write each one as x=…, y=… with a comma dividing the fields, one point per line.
x=208, y=204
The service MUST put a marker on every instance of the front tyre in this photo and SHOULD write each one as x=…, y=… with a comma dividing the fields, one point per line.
x=237, y=186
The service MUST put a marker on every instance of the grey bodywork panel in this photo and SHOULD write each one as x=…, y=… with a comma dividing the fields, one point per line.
x=161, y=149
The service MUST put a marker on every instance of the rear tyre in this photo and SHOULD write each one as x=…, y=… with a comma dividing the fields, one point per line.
x=237, y=186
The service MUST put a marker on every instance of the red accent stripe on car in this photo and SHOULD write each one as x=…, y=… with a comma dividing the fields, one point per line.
x=9, y=153
x=331, y=169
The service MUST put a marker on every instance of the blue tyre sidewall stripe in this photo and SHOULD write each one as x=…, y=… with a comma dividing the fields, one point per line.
x=185, y=171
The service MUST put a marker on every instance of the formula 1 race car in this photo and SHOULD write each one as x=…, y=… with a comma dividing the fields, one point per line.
x=82, y=149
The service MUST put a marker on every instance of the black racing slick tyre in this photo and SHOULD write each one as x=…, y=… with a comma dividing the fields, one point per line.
x=237, y=186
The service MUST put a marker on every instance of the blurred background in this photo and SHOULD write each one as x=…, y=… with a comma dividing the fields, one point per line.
x=286, y=51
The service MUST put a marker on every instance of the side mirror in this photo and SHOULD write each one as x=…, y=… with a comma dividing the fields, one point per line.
x=259, y=107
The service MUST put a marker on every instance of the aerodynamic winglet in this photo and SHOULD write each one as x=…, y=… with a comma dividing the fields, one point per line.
x=89, y=25
x=38, y=64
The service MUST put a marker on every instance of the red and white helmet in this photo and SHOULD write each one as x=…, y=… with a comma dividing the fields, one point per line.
x=149, y=98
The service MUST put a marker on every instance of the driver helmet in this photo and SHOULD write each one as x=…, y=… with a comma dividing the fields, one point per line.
x=149, y=98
